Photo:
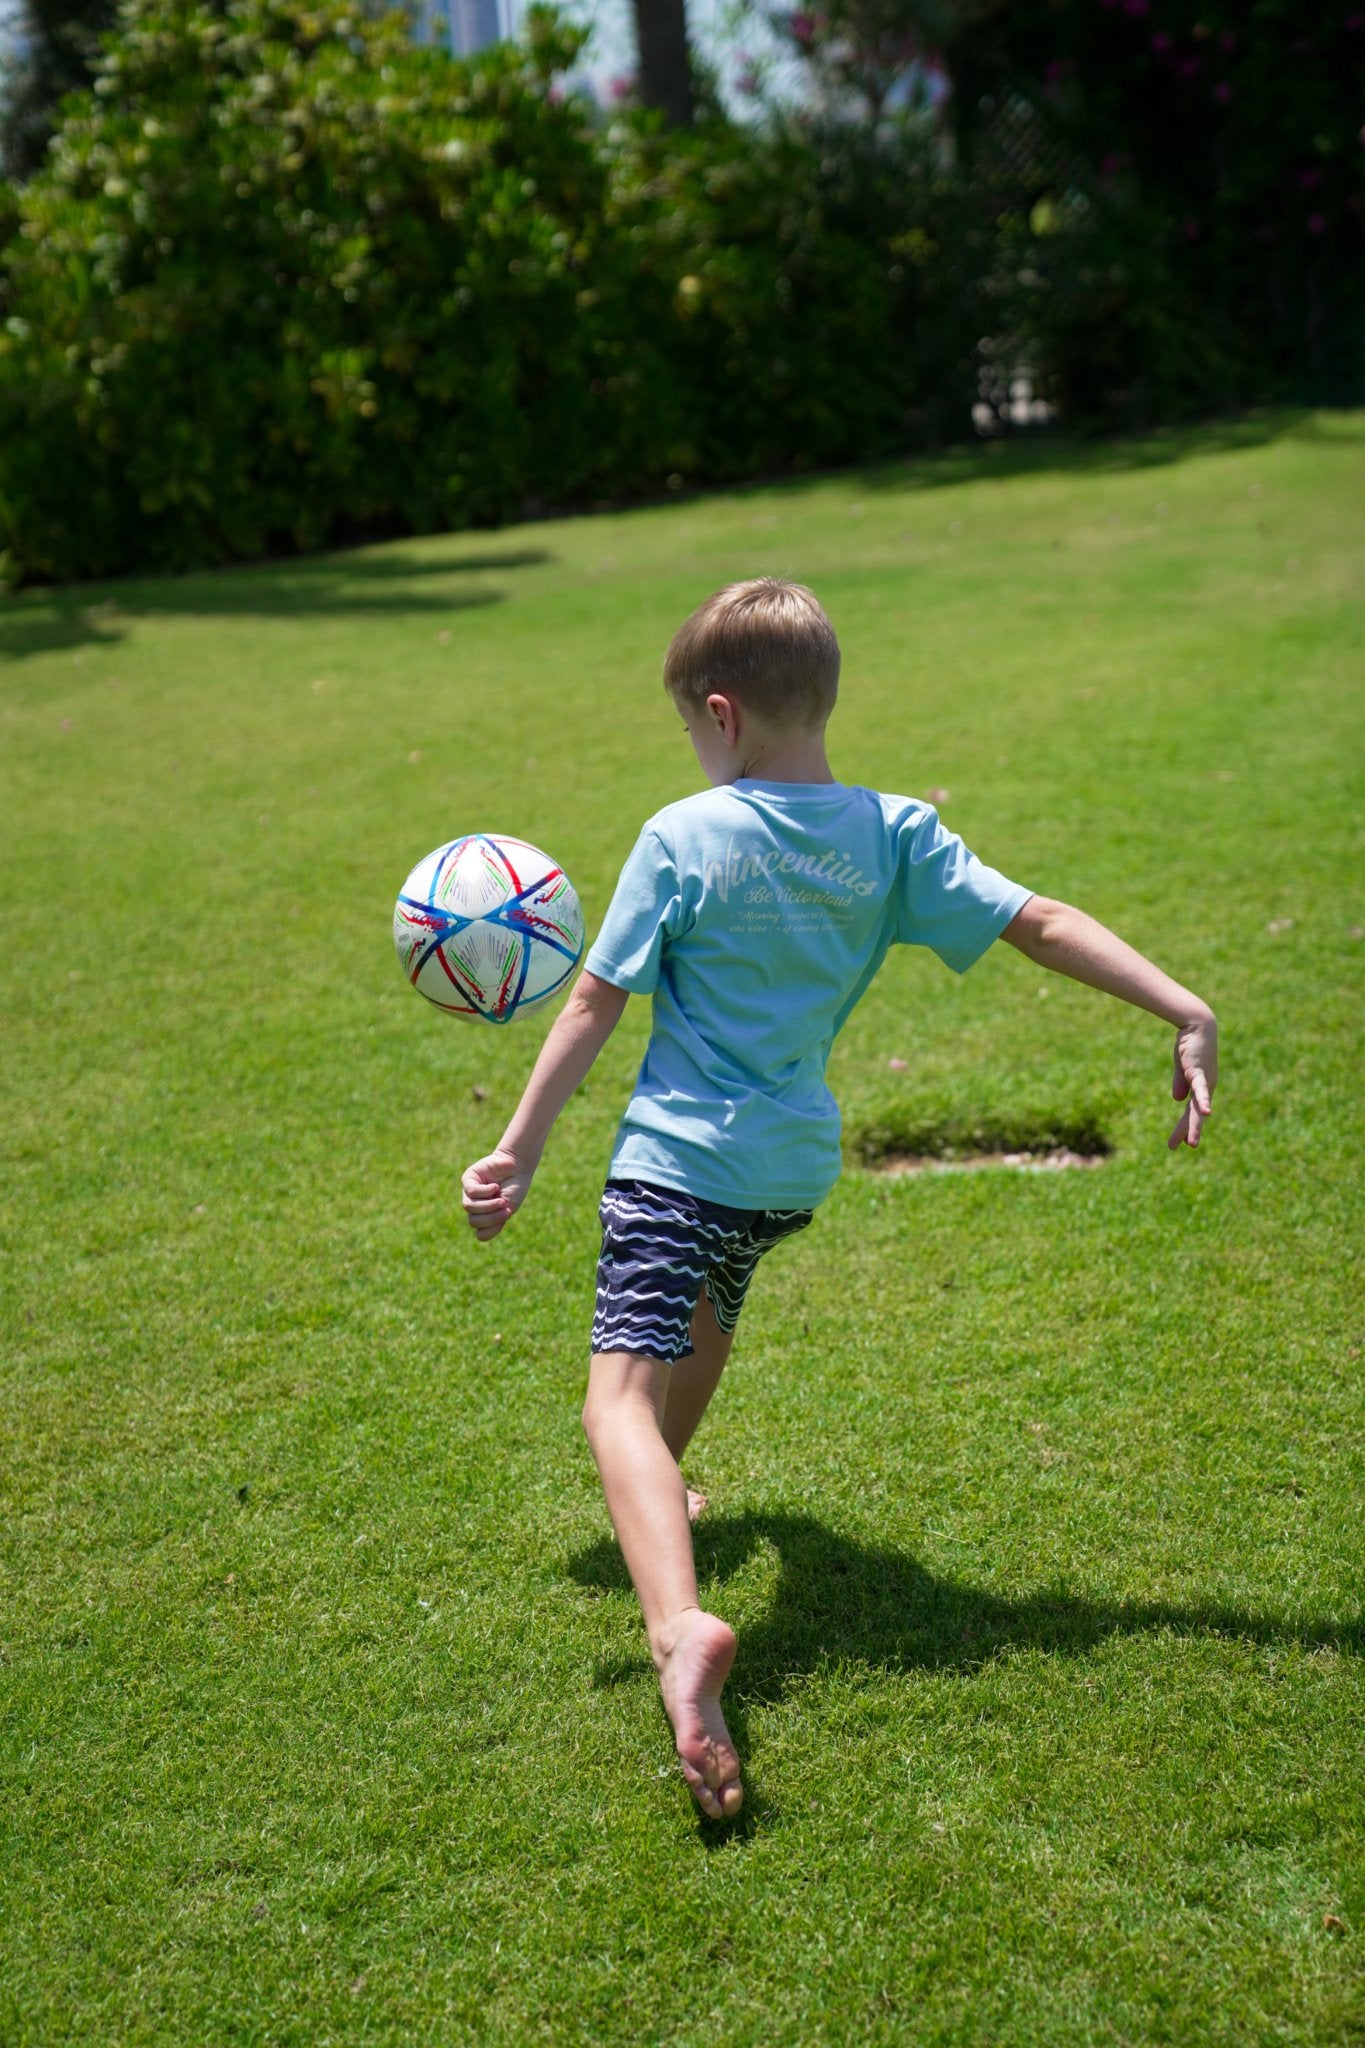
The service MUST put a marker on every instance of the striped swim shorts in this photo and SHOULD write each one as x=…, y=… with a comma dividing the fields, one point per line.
x=659, y=1248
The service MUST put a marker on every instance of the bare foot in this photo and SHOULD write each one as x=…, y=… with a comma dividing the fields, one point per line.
x=691, y=1673
x=697, y=1504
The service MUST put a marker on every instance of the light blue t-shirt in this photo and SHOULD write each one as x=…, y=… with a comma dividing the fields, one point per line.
x=756, y=915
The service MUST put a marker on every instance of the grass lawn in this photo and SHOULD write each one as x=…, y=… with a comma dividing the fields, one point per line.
x=1036, y=1498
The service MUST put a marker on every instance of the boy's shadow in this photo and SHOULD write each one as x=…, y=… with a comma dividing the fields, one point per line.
x=837, y=1599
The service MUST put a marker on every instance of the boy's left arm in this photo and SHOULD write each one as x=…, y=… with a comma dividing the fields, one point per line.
x=1056, y=936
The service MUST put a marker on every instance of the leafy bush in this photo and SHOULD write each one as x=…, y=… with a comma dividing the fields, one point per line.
x=287, y=277
x=1189, y=179
x=1177, y=186
x=825, y=292
x=285, y=273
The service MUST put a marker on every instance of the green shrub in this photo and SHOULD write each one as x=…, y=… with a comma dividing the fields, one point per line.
x=284, y=274
x=288, y=278
x=825, y=291
x=1176, y=187
x=1197, y=172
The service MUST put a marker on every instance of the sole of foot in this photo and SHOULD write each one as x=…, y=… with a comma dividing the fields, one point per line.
x=691, y=1675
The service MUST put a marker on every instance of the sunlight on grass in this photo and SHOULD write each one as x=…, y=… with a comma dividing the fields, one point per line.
x=1035, y=1496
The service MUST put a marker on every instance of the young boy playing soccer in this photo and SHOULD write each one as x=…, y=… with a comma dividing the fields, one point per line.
x=755, y=914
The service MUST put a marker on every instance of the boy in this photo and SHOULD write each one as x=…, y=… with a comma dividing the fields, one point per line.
x=755, y=914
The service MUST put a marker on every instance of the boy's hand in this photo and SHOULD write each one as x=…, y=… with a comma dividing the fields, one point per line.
x=1196, y=1077
x=493, y=1190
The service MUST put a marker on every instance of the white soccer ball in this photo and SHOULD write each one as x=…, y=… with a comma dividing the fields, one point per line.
x=488, y=926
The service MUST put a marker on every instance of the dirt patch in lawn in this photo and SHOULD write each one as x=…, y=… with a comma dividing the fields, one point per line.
x=1044, y=1145
x=1057, y=1161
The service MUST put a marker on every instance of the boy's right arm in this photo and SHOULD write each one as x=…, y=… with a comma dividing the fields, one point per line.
x=495, y=1187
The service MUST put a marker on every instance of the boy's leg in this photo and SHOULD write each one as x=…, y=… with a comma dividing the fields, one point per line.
x=692, y=1650
x=694, y=1381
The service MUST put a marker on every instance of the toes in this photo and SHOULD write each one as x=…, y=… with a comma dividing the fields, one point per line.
x=722, y=1768
x=706, y=1799
x=716, y=1786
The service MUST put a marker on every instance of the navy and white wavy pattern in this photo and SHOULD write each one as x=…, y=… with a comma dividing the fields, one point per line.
x=658, y=1246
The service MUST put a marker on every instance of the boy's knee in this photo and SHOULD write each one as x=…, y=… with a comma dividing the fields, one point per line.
x=597, y=1403
x=625, y=1388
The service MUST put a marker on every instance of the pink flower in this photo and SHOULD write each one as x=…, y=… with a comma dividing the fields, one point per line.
x=1310, y=180
x=1161, y=42
x=621, y=88
x=1190, y=67
x=1227, y=41
x=1137, y=8
x=1189, y=227
x=802, y=27
x=1316, y=224
x=1222, y=91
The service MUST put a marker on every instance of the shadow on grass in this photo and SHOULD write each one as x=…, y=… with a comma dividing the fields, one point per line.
x=838, y=1601
x=1040, y=454
x=369, y=584
x=343, y=582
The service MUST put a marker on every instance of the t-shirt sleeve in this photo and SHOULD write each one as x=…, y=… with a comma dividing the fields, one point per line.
x=947, y=899
x=643, y=912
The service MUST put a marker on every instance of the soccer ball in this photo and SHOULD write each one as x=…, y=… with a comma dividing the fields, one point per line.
x=488, y=927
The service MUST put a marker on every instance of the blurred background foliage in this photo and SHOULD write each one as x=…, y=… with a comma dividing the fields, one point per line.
x=283, y=276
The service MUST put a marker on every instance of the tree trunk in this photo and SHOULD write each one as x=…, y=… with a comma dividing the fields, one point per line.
x=665, y=69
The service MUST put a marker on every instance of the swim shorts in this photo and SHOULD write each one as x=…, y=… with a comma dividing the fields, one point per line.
x=660, y=1246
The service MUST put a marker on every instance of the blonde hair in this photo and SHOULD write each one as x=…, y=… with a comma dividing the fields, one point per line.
x=766, y=643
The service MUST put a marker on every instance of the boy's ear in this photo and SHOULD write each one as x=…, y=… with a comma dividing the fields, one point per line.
x=724, y=713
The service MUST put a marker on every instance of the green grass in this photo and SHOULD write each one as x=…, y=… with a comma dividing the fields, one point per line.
x=327, y=1716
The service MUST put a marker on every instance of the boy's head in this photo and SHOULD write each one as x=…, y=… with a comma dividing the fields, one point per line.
x=765, y=643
